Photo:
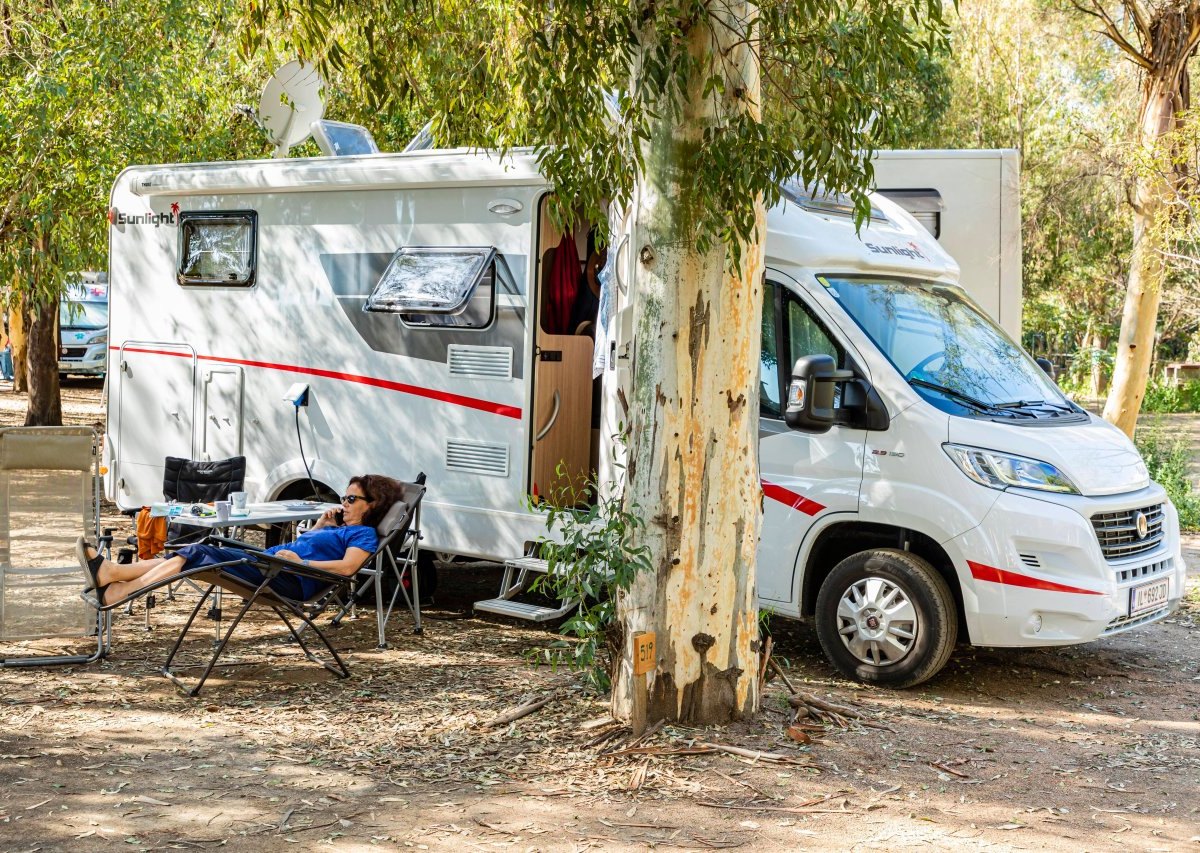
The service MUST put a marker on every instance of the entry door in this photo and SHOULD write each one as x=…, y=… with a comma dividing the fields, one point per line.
x=224, y=405
x=805, y=477
x=156, y=407
x=562, y=417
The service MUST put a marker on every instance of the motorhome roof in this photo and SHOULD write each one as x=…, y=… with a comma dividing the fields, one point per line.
x=434, y=168
x=821, y=239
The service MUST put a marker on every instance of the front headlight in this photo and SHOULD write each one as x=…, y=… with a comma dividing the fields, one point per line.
x=99, y=339
x=1001, y=470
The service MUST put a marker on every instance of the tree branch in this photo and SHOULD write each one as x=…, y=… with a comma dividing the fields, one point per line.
x=1110, y=29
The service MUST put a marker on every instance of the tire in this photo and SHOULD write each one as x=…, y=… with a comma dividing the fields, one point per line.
x=891, y=595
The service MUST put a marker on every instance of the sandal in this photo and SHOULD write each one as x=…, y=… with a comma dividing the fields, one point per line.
x=91, y=565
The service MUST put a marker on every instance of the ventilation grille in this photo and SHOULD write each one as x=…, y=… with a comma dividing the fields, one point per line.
x=1149, y=570
x=1118, y=531
x=1031, y=560
x=477, y=457
x=480, y=362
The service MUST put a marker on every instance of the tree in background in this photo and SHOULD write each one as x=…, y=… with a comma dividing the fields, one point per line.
x=717, y=103
x=1159, y=38
x=1026, y=76
x=89, y=87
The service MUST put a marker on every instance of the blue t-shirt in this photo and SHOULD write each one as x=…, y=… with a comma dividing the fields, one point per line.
x=329, y=543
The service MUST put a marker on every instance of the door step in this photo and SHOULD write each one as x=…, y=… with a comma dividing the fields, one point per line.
x=520, y=610
x=518, y=575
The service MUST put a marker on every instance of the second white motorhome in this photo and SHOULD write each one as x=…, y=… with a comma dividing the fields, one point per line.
x=952, y=493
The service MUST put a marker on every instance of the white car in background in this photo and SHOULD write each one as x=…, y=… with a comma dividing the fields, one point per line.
x=83, y=326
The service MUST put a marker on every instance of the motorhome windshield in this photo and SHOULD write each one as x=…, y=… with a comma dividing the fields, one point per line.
x=82, y=315
x=949, y=350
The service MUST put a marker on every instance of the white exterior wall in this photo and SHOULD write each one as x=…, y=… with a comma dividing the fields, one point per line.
x=981, y=218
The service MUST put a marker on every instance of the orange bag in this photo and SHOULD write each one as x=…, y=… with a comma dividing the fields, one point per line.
x=151, y=534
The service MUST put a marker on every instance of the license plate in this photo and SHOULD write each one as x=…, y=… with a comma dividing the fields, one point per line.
x=1149, y=596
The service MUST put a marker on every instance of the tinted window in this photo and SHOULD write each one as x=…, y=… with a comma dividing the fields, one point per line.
x=769, y=391
x=806, y=336
x=217, y=248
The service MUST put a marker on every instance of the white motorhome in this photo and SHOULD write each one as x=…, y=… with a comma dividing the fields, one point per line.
x=943, y=489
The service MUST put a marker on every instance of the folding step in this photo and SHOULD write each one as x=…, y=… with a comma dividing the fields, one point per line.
x=529, y=564
x=528, y=612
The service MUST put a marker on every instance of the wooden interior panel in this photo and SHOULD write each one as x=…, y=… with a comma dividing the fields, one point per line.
x=569, y=440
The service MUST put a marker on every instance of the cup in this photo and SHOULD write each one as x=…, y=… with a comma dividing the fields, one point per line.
x=237, y=502
x=222, y=510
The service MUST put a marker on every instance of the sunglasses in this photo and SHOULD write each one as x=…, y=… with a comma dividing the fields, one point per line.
x=350, y=499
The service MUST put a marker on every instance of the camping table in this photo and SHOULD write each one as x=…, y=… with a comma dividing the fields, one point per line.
x=271, y=512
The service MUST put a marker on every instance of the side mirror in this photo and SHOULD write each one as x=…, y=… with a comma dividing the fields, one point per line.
x=1047, y=367
x=810, y=395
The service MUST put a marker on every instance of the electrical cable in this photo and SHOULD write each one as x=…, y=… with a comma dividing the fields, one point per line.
x=300, y=441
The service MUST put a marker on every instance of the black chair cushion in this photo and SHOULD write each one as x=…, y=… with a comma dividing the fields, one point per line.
x=187, y=480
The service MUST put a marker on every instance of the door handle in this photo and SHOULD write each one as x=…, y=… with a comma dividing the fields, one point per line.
x=553, y=417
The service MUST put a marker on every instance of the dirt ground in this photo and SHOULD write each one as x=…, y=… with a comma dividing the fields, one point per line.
x=1087, y=748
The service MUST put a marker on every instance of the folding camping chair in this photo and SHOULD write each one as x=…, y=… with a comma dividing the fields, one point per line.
x=395, y=534
x=49, y=496
x=396, y=559
x=213, y=578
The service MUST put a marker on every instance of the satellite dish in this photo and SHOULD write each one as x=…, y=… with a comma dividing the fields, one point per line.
x=291, y=102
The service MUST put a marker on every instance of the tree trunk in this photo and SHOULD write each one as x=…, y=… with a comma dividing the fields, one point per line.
x=45, y=404
x=693, y=434
x=18, y=332
x=1135, y=342
x=1096, y=346
x=1169, y=39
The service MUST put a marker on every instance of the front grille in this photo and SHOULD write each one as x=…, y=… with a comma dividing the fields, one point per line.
x=1124, y=623
x=74, y=353
x=1149, y=570
x=1117, y=531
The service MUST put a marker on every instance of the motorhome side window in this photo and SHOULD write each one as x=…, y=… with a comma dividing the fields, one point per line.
x=789, y=331
x=770, y=392
x=217, y=249
x=438, y=286
x=806, y=336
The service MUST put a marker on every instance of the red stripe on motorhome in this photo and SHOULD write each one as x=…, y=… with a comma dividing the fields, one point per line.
x=791, y=499
x=415, y=390
x=989, y=573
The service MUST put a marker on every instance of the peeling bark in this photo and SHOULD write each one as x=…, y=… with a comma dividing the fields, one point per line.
x=694, y=366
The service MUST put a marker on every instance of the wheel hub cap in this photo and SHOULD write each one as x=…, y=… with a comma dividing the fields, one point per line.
x=877, y=621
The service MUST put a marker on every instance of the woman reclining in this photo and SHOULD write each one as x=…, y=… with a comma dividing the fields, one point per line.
x=337, y=548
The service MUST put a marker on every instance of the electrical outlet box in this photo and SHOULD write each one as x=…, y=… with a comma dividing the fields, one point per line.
x=644, y=658
x=297, y=395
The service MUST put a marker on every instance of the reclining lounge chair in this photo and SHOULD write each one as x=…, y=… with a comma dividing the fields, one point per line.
x=334, y=589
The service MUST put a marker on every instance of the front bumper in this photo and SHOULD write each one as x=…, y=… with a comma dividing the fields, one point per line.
x=1033, y=573
x=93, y=362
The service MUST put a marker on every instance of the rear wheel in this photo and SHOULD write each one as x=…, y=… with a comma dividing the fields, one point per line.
x=886, y=617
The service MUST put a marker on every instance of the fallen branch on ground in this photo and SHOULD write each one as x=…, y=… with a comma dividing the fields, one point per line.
x=518, y=713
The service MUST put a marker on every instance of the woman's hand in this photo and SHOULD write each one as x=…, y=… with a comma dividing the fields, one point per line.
x=327, y=519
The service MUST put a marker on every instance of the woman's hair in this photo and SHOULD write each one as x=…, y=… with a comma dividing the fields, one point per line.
x=381, y=492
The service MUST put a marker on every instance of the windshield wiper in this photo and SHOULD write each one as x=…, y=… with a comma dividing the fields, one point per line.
x=967, y=398
x=1037, y=404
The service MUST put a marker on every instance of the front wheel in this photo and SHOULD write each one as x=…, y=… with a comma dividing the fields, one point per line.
x=886, y=617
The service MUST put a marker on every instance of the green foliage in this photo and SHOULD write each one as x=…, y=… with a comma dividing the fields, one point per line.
x=1166, y=398
x=89, y=87
x=1168, y=460
x=525, y=72
x=593, y=557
